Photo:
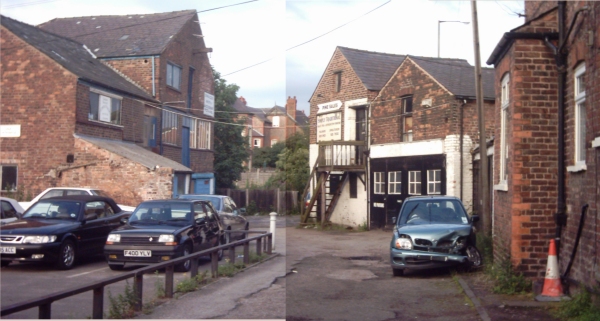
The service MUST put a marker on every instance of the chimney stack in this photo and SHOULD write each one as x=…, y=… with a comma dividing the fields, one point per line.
x=243, y=100
x=290, y=106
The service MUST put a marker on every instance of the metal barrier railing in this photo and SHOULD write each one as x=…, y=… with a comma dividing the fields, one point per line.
x=45, y=303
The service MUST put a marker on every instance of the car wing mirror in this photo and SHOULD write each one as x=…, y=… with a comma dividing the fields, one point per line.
x=474, y=218
x=124, y=220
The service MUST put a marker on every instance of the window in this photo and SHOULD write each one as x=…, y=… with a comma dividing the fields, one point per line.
x=273, y=142
x=394, y=183
x=580, y=123
x=150, y=131
x=353, y=184
x=8, y=211
x=434, y=181
x=173, y=75
x=256, y=142
x=275, y=121
x=338, y=81
x=504, y=102
x=378, y=183
x=170, y=127
x=414, y=183
x=9, y=177
x=406, y=119
x=200, y=134
x=105, y=107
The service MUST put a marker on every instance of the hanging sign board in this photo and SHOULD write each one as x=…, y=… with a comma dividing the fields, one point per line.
x=329, y=127
x=330, y=106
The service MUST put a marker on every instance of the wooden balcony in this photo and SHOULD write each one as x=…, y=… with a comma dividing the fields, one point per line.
x=342, y=156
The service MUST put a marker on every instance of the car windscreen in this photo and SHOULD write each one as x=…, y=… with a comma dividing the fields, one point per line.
x=214, y=201
x=433, y=212
x=172, y=213
x=54, y=209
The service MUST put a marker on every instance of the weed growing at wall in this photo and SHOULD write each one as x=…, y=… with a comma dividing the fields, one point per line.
x=507, y=280
x=122, y=306
x=580, y=308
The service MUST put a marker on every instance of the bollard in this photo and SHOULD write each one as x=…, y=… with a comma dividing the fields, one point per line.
x=273, y=221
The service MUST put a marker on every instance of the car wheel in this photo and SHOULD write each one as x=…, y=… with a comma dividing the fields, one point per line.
x=66, y=255
x=474, y=256
x=186, y=265
x=116, y=267
x=5, y=263
x=398, y=272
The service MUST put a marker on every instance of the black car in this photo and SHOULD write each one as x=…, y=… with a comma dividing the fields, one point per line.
x=60, y=229
x=161, y=230
x=230, y=215
x=431, y=232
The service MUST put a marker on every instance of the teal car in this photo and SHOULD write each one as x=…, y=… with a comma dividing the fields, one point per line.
x=432, y=232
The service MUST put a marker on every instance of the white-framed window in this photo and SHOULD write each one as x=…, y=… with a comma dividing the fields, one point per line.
x=273, y=142
x=378, y=183
x=256, y=142
x=105, y=107
x=434, y=181
x=414, y=182
x=504, y=146
x=275, y=121
x=173, y=75
x=394, y=183
x=170, y=127
x=200, y=134
x=8, y=174
x=580, y=116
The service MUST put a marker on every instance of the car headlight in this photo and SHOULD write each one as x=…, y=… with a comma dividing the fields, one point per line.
x=113, y=238
x=404, y=243
x=39, y=239
x=166, y=238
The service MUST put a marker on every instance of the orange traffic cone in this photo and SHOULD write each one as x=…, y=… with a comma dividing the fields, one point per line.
x=552, y=290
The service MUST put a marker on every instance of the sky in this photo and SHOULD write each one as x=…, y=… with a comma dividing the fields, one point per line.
x=274, y=49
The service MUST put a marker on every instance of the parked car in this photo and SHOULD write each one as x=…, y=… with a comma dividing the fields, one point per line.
x=230, y=215
x=66, y=191
x=161, y=230
x=431, y=232
x=60, y=229
x=10, y=210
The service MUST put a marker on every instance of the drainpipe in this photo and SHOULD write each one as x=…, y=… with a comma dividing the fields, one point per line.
x=153, y=79
x=462, y=135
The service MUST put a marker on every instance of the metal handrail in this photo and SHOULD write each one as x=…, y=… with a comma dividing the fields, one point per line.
x=44, y=303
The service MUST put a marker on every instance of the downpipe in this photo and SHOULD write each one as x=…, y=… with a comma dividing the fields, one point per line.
x=584, y=210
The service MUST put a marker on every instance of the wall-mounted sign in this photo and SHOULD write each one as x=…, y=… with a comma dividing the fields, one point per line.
x=10, y=130
x=329, y=127
x=330, y=106
x=104, y=109
x=209, y=105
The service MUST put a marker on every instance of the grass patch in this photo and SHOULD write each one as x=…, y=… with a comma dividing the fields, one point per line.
x=192, y=284
x=255, y=258
x=122, y=307
x=230, y=269
x=580, y=308
x=507, y=280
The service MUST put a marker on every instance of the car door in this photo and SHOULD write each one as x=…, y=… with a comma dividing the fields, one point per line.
x=213, y=226
x=9, y=213
x=201, y=229
x=95, y=227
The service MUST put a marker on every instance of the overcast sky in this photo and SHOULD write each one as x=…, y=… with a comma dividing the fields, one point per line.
x=253, y=42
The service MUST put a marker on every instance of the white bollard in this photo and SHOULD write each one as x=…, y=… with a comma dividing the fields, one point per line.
x=273, y=221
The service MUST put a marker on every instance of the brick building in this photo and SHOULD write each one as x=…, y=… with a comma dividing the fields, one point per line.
x=121, y=103
x=547, y=154
x=386, y=126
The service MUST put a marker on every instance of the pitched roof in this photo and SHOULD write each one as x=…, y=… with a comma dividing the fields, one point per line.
x=301, y=118
x=117, y=36
x=457, y=75
x=134, y=153
x=74, y=57
x=373, y=68
x=241, y=107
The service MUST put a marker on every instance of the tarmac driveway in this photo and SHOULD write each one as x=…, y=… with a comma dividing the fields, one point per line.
x=339, y=275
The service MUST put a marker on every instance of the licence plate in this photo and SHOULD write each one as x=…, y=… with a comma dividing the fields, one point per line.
x=8, y=250
x=138, y=253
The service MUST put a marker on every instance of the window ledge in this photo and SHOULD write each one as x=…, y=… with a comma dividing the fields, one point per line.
x=596, y=142
x=503, y=186
x=579, y=167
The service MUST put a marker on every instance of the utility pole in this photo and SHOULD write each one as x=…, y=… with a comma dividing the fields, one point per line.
x=486, y=216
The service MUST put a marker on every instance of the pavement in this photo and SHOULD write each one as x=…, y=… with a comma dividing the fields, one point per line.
x=259, y=291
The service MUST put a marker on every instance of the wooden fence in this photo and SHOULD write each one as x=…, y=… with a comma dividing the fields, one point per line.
x=273, y=200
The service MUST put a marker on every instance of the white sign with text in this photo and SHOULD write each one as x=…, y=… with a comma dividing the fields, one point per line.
x=330, y=106
x=329, y=127
x=209, y=105
x=104, y=109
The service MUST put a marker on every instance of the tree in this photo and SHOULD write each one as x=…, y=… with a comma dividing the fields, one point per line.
x=267, y=156
x=231, y=149
x=292, y=165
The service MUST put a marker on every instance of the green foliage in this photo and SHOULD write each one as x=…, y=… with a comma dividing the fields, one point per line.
x=267, y=156
x=159, y=286
x=21, y=193
x=254, y=258
x=508, y=281
x=122, y=307
x=231, y=149
x=580, y=308
x=363, y=227
x=485, y=246
x=292, y=164
x=230, y=269
x=186, y=285
x=251, y=208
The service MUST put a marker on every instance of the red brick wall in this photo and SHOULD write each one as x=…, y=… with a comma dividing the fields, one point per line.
x=139, y=70
x=526, y=210
x=534, y=9
x=439, y=120
x=351, y=88
x=38, y=94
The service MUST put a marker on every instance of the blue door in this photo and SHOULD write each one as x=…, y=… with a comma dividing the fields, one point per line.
x=204, y=183
x=185, y=146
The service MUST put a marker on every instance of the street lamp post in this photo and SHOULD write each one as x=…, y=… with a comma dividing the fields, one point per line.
x=439, y=22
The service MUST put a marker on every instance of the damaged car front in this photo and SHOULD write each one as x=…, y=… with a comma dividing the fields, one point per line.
x=432, y=232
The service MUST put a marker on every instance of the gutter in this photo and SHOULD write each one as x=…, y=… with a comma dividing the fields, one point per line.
x=509, y=37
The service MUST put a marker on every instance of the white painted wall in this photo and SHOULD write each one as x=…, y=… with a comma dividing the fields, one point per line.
x=351, y=211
